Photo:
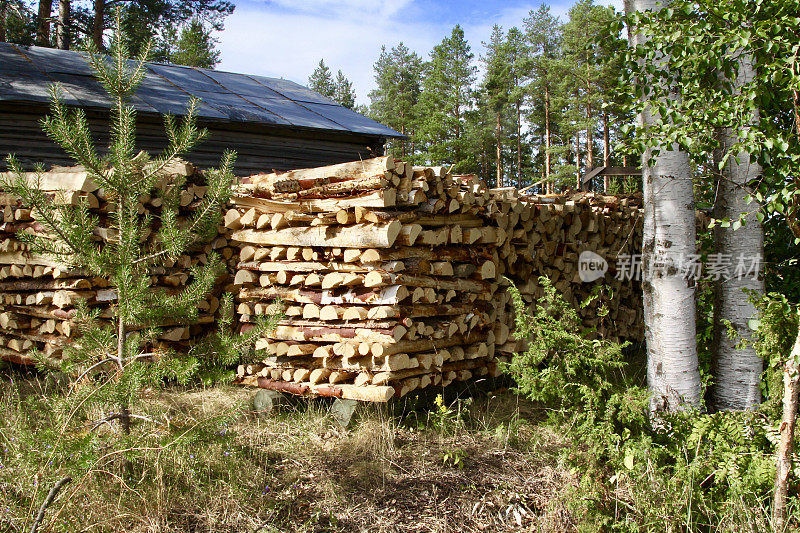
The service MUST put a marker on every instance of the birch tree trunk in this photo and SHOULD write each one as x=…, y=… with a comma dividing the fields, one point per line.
x=669, y=237
x=737, y=366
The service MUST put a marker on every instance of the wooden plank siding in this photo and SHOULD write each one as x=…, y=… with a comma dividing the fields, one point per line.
x=259, y=147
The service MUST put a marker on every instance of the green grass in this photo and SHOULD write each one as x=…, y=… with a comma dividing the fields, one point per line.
x=208, y=462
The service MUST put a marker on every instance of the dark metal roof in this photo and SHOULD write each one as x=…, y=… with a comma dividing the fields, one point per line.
x=26, y=73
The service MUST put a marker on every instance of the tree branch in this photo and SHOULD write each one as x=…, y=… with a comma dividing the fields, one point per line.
x=47, y=501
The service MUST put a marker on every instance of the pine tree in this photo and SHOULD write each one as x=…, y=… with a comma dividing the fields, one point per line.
x=394, y=101
x=544, y=32
x=343, y=91
x=124, y=259
x=519, y=58
x=593, y=74
x=196, y=47
x=17, y=25
x=145, y=21
x=496, y=87
x=447, y=96
x=321, y=81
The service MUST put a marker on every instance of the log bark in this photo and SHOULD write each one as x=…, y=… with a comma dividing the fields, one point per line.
x=384, y=296
x=356, y=236
x=377, y=165
x=376, y=199
x=370, y=393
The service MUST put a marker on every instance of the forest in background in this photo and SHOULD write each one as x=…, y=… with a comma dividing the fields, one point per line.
x=539, y=103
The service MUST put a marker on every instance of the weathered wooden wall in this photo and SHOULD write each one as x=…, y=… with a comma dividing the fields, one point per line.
x=259, y=148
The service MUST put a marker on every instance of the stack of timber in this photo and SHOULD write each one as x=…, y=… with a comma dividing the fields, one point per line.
x=38, y=296
x=392, y=278
x=548, y=234
x=387, y=274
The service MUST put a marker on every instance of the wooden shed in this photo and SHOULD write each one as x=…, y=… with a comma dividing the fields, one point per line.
x=273, y=124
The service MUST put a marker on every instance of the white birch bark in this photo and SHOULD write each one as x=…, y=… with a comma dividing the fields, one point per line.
x=669, y=238
x=737, y=366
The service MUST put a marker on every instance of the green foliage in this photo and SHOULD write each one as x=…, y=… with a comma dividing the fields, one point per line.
x=340, y=89
x=776, y=329
x=533, y=81
x=217, y=355
x=195, y=47
x=561, y=368
x=321, y=80
x=343, y=91
x=446, y=97
x=155, y=25
x=781, y=258
x=394, y=100
x=448, y=418
x=454, y=458
x=43, y=439
x=700, y=470
x=693, y=42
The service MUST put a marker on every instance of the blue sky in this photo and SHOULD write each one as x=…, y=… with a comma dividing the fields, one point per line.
x=287, y=38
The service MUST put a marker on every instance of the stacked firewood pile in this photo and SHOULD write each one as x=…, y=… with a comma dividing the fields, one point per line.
x=387, y=273
x=38, y=296
x=551, y=239
x=391, y=276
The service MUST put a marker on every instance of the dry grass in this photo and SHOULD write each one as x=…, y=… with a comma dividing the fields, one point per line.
x=298, y=470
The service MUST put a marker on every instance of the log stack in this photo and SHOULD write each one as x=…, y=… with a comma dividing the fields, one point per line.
x=390, y=276
x=38, y=296
x=387, y=273
x=549, y=240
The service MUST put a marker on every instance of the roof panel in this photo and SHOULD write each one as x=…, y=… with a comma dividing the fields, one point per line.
x=53, y=60
x=238, y=109
x=292, y=90
x=350, y=119
x=187, y=78
x=296, y=114
x=86, y=89
x=23, y=87
x=33, y=87
x=241, y=84
x=174, y=101
x=12, y=60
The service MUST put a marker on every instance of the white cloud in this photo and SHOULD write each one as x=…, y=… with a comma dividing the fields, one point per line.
x=285, y=44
